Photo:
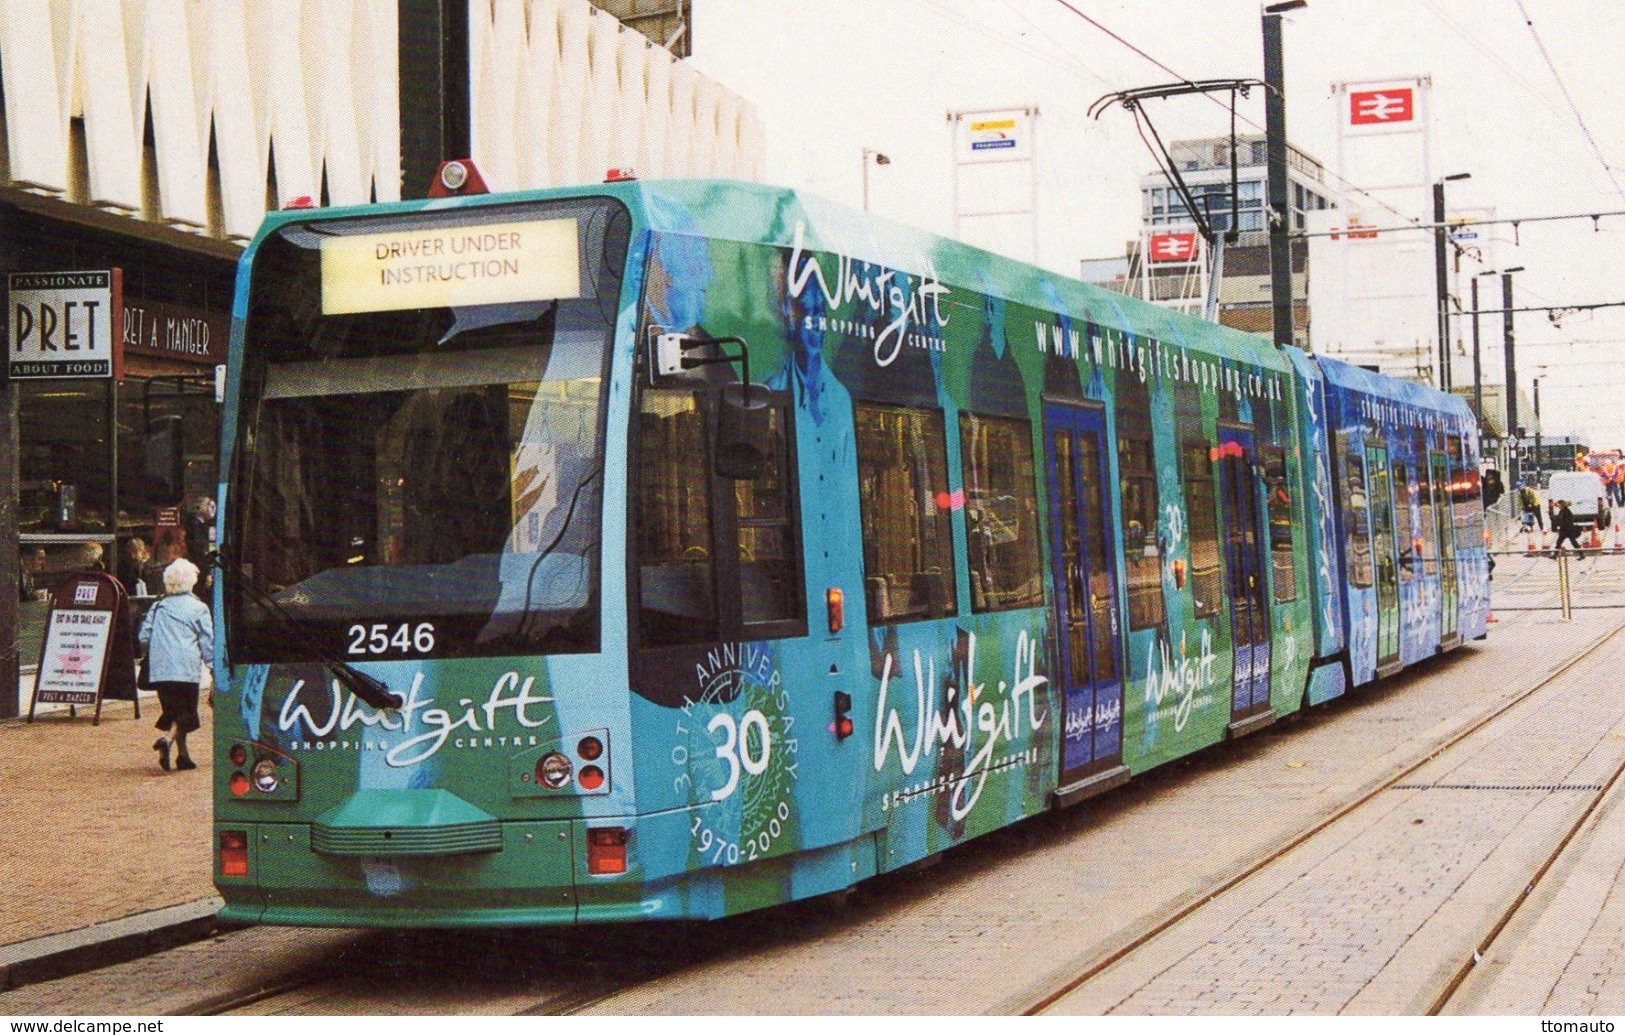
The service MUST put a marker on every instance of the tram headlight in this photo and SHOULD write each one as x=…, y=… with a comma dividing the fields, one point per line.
x=265, y=776
x=553, y=770
x=263, y=771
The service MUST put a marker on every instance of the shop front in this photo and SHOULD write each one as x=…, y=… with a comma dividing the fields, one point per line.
x=117, y=470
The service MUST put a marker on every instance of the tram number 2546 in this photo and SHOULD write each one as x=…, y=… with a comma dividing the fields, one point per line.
x=382, y=638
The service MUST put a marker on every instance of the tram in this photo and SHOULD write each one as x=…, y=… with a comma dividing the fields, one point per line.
x=662, y=550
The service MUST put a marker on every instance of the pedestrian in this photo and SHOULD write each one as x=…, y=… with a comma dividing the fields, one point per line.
x=1565, y=526
x=179, y=638
x=1529, y=502
x=136, y=558
x=29, y=573
x=199, y=532
x=1492, y=487
x=90, y=556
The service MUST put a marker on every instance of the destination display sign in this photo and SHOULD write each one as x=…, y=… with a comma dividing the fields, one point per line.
x=64, y=324
x=482, y=264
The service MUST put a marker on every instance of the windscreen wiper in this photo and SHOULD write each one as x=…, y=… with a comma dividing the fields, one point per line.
x=370, y=690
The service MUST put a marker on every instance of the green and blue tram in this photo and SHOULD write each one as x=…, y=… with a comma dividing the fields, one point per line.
x=665, y=550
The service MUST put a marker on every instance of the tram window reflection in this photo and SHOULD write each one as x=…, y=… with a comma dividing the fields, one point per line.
x=1279, y=509
x=1142, y=546
x=1355, y=507
x=908, y=558
x=674, y=522
x=1201, y=502
x=1001, y=513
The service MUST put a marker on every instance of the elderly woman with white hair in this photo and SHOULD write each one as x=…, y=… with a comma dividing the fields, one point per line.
x=179, y=638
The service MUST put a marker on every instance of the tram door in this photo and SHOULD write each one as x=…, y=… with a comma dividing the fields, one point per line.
x=1085, y=592
x=1380, y=492
x=1246, y=564
x=1444, y=522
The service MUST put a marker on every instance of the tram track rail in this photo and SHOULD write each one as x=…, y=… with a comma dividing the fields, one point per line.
x=338, y=984
x=1041, y=996
x=1448, y=991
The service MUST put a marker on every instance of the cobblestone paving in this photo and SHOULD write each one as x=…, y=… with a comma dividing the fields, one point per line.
x=1565, y=952
x=1100, y=871
x=1380, y=911
x=90, y=828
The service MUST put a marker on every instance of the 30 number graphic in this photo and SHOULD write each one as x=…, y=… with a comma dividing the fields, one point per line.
x=736, y=752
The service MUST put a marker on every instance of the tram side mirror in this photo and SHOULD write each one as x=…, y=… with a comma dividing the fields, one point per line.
x=744, y=441
x=668, y=354
x=162, y=461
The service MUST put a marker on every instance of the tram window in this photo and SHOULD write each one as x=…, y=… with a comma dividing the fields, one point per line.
x=1201, y=502
x=718, y=558
x=908, y=560
x=1402, y=519
x=1355, y=505
x=1425, y=529
x=1464, y=493
x=1001, y=513
x=1280, y=515
x=1142, y=553
x=769, y=554
x=1443, y=507
x=674, y=523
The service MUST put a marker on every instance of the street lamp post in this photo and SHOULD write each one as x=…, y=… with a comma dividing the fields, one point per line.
x=1539, y=466
x=879, y=159
x=1280, y=213
x=1512, y=363
x=1441, y=277
x=1478, y=370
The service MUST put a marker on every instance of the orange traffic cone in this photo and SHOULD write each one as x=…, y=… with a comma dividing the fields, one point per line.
x=1619, y=538
x=1596, y=540
x=1530, y=541
x=1492, y=619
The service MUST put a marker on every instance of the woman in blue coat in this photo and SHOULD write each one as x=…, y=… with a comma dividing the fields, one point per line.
x=179, y=637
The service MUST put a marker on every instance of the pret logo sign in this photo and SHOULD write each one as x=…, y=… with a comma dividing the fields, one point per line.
x=64, y=324
x=1380, y=107
x=1173, y=247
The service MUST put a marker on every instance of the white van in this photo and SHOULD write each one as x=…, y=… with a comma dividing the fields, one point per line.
x=1585, y=493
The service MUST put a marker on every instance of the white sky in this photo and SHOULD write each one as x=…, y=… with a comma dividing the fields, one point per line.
x=832, y=77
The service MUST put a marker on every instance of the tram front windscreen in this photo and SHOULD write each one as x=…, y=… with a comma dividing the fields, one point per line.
x=418, y=467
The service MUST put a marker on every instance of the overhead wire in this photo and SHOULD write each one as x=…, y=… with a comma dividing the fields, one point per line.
x=1585, y=130
x=1512, y=74
x=1046, y=175
x=1348, y=188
